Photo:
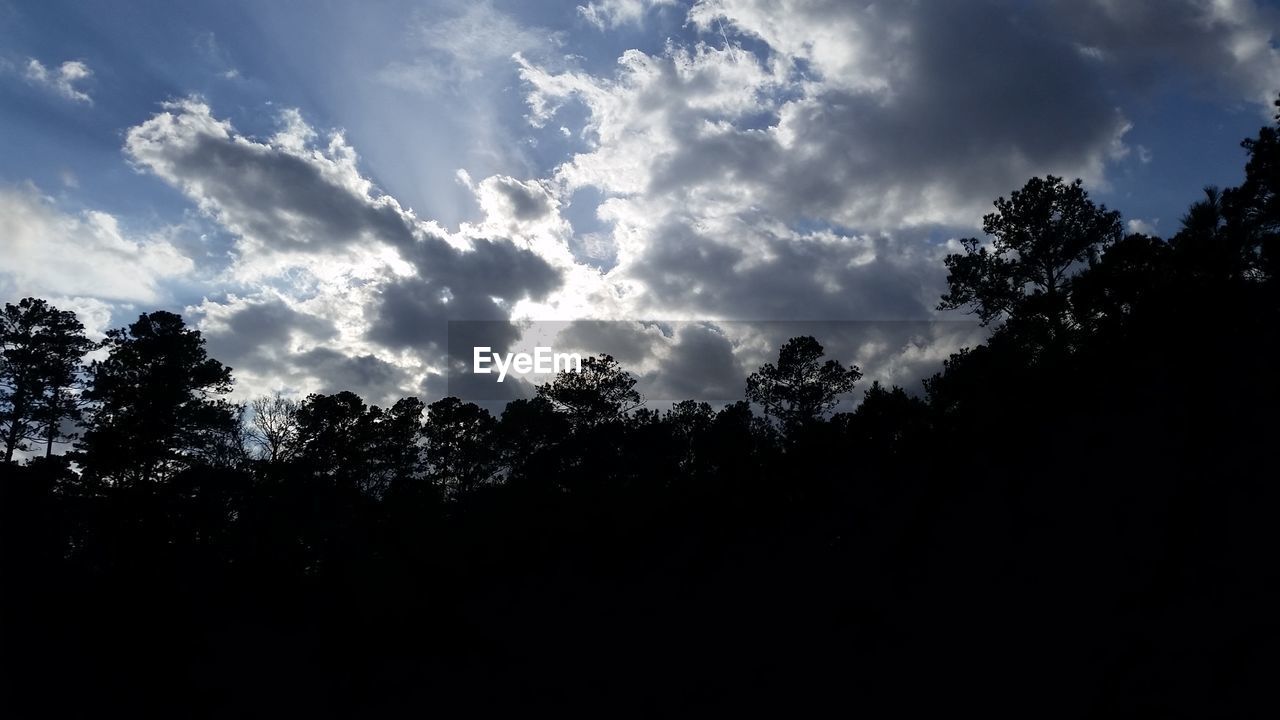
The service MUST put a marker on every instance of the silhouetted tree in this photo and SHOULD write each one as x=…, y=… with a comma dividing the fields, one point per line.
x=396, y=444
x=887, y=420
x=334, y=433
x=801, y=387
x=41, y=354
x=529, y=431
x=273, y=427
x=154, y=400
x=1256, y=202
x=361, y=448
x=689, y=421
x=600, y=391
x=230, y=445
x=330, y=430
x=461, y=446
x=1213, y=244
x=1041, y=235
x=689, y=418
x=528, y=426
x=1129, y=273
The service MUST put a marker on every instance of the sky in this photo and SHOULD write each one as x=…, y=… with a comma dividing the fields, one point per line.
x=321, y=187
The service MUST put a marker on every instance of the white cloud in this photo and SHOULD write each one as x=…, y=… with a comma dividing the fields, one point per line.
x=52, y=253
x=93, y=313
x=1145, y=227
x=613, y=13
x=461, y=49
x=851, y=45
x=62, y=79
x=215, y=56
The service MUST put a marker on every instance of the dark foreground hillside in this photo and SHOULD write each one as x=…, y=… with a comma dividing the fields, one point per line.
x=1074, y=519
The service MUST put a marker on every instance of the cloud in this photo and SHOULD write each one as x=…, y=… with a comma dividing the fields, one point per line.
x=377, y=380
x=807, y=160
x=62, y=79
x=711, y=361
x=786, y=162
x=850, y=118
x=215, y=56
x=447, y=92
x=605, y=14
x=280, y=196
x=277, y=343
x=332, y=267
x=784, y=185
x=457, y=50
x=93, y=313
x=1224, y=49
x=816, y=160
x=297, y=200
x=409, y=312
x=520, y=202
x=1144, y=227
x=735, y=271
x=49, y=252
x=252, y=330
x=700, y=363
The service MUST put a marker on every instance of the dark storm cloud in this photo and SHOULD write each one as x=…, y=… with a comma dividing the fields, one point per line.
x=267, y=338
x=526, y=203
x=281, y=199
x=255, y=330
x=413, y=312
x=1221, y=49
x=370, y=377
x=701, y=364
x=823, y=278
x=628, y=342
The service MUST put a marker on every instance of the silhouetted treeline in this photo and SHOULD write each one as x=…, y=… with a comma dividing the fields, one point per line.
x=1075, y=518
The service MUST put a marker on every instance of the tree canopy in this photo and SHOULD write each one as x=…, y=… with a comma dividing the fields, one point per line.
x=801, y=387
x=1041, y=236
x=41, y=363
x=156, y=405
